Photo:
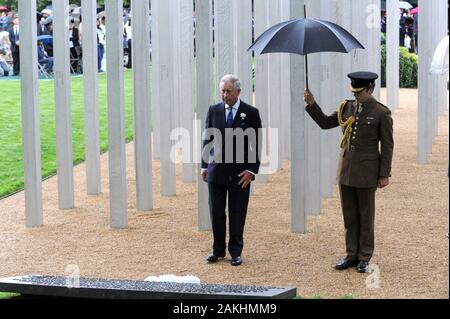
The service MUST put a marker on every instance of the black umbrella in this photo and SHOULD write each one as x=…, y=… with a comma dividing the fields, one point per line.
x=305, y=36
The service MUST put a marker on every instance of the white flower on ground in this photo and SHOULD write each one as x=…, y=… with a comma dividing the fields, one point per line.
x=174, y=278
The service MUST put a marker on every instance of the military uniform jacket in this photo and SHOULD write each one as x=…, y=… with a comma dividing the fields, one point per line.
x=367, y=155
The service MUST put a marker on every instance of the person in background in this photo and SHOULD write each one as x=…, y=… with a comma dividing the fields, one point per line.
x=383, y=21
x=101, y=41
x=128, y=31
x=14, y=37
x=5, y=44
x=402, y=28
x=3, y=21
x=10, y=16
x=409, y=31
x=4, y=67
x=48, y=30
x=44, y=59
x=74, y=44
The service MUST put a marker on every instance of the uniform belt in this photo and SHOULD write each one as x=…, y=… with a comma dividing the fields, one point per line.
x=365, y=149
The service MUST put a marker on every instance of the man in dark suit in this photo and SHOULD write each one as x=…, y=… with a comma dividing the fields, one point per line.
x=365, y=163
x=14, y=37
x=230, y=160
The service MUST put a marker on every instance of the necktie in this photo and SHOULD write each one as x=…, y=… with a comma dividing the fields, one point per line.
x=358, y=109
x=230, y=117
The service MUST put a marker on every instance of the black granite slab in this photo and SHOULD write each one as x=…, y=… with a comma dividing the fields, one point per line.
x=39, y=285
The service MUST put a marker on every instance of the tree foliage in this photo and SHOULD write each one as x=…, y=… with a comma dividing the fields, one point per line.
x=409, y=64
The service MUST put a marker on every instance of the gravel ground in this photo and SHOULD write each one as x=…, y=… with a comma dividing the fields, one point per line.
x=411, y=253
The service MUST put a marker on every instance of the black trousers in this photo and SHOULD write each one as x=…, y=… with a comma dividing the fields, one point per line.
x=358, y=207
x=129, y=64
x=74, y=60
x=16, y=62
x=237, y=212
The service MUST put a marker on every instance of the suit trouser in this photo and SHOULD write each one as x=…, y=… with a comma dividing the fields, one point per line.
x=16, y=62
x=100, y=53
x=237, y=212
x=74, y=60
x=130, y=57
x=358, y=207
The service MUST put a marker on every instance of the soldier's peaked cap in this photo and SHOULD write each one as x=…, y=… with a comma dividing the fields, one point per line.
x=362, y=80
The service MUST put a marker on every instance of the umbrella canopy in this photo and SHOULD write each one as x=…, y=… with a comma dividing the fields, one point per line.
x=405, y=5
x=439, y=64
x=4, y=8
x=305, y=36
x=414, y=10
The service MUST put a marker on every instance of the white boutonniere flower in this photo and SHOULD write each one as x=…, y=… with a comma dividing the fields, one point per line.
x=243, y=116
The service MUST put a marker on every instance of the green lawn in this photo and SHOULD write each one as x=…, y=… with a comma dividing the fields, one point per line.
x=11, y=160
x=7, y=295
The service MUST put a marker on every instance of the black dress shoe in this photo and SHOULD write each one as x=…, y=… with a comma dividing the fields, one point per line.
x=363, y=266
x=213, y=258
x=236, y=261
x=345, y=263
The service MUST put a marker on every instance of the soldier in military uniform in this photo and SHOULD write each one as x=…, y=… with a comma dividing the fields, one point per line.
x=364, y=165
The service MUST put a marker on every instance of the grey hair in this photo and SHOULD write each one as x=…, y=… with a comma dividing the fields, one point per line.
x=233, y=79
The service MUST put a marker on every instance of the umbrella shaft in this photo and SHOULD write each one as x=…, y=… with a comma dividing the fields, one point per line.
x=306, y=70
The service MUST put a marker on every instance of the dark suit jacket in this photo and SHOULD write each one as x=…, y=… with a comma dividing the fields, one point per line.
x=369, y=155
x=223, y=168
x=75, y=37
x=13, y=39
